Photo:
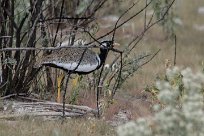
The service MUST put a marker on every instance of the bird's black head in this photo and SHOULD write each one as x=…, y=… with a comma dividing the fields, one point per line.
x=107, y=44
x=106, y=47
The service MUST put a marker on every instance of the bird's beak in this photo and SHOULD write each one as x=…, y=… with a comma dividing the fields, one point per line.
x=116, y=50
x=116, y=44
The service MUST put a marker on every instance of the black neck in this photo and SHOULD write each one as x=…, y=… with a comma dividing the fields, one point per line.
x=103, y=54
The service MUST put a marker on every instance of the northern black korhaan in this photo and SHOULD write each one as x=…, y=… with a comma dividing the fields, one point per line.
x=76, y=60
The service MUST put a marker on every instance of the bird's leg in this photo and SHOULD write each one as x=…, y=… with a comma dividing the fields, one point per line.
x=59, y=82
x=98, y=90
x=97, y=101
x=64, y=95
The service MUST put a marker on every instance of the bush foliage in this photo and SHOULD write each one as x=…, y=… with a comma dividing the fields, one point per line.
x=181, y=116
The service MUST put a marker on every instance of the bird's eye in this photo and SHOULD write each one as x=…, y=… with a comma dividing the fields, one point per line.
x=104, y=44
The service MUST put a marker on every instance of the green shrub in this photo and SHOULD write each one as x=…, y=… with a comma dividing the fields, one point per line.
x=181, y=116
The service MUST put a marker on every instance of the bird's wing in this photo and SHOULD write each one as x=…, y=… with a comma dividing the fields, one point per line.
x=69, y=56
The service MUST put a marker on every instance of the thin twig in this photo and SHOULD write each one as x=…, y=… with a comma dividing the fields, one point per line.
x=127, y=20
x=45, y=48
x=54, y=48
x=98, y=91
x=126, y=11
x=150, y=58
x=117, y=83
x=145, y=16
x=65, y=18
x=175, y=50
x=58, y=25
x=12, y=95
x=64, y=95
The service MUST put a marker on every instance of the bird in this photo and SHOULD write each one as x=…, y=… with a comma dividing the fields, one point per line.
x=79, y=61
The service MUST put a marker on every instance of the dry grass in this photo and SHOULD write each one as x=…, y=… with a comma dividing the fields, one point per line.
x=72, y=127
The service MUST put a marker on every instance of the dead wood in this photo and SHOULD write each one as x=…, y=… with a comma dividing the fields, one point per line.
x=18, y=109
